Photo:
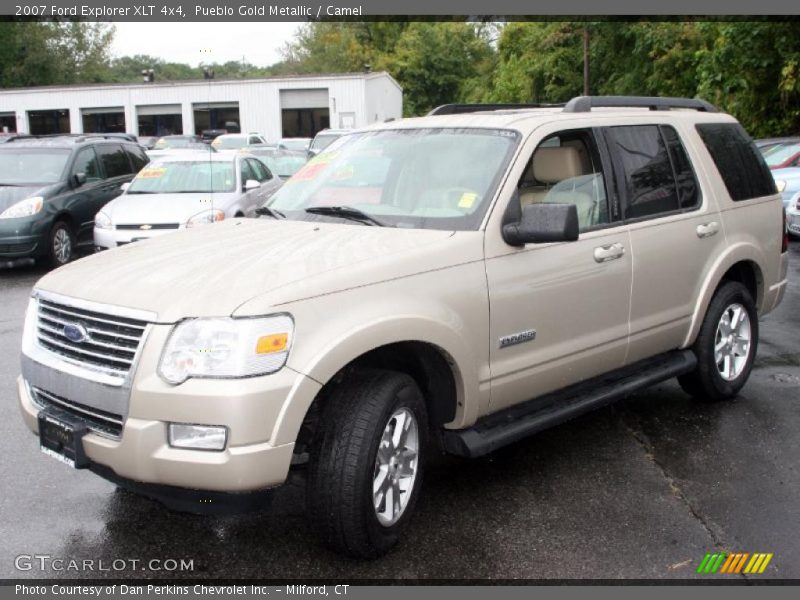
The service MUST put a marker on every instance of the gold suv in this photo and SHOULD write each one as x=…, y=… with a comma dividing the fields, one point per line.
x=454, y=282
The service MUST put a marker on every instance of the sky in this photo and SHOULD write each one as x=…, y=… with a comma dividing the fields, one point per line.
x=193, y=43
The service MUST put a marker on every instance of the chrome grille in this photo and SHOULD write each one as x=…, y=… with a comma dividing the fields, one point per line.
x=99, y=421
x=111, y=342
x=145, y=227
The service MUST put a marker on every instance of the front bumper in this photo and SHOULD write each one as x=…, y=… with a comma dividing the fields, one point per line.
x=256, y=412
x=22, y=238
x=111, y=238
x=793, y=221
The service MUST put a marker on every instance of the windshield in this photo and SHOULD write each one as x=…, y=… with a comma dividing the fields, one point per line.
x=420, y=178
x=283, y=166
x=296, y=144
x=229, y=143
x=31, y=165
x=184, y=177
x=780, y=154
x=322, y=141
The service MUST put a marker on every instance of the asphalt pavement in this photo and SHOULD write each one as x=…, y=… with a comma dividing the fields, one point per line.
x=643, y=489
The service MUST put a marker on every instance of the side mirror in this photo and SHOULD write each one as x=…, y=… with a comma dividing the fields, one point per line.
x=124, y=187
x=541, y=223
x=78, y=179
x=251, y=184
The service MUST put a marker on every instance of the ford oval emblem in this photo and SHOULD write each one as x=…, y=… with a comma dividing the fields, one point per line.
x=75, y=332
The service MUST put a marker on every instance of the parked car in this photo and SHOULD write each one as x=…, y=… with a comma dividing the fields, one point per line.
x=766, y=144
x=209, y=135
x=787, y=181
x=324, y=139
x=793, y=215
x=148, y=142
x=295, y=144
x=231, y=142
x=52, y=186
x=179, y=149
x=498, y=274
x=170, y=142
x=283, y=163
x=182, y=191
x=781, y=156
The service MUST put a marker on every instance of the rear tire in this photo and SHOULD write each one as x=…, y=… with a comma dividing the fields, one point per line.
x=726, y=345
x=61, y=244
x=365, y=469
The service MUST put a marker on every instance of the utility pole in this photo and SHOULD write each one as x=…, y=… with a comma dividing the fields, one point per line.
x=586, y=91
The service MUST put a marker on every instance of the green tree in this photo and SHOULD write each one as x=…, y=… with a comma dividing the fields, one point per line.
x=750, y=69
x=47, y=53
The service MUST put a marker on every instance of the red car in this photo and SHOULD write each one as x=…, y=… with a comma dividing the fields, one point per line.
x=783, y=155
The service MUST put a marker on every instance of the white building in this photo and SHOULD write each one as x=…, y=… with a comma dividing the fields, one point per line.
x=289, y=106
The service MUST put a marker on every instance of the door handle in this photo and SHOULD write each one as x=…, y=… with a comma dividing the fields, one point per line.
x=610, y=252
x=707, y=229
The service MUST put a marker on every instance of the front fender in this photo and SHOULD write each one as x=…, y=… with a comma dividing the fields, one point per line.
x=334, y=330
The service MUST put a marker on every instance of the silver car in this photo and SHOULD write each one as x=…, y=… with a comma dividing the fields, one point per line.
x=182, y=191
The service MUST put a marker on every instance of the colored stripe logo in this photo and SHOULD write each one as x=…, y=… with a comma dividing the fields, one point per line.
x=734, y=562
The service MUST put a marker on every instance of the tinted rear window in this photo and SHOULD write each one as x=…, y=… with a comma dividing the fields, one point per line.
x=740, y=164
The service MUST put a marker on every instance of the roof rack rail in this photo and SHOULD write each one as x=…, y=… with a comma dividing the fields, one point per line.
x=586, y=103
x=457, y=109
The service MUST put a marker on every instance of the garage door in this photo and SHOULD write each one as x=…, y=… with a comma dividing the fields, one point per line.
x=304, y=98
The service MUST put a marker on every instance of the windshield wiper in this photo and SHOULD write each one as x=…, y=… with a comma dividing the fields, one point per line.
x=141, y=192
x=270, y=212
x=346, y=212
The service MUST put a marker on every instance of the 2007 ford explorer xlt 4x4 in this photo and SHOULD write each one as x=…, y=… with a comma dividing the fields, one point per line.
x=449, y=283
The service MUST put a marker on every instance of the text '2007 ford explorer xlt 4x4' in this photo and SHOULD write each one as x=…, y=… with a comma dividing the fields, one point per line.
x=454, y=281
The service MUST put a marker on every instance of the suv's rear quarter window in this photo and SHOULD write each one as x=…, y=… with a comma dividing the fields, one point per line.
x=738, y=161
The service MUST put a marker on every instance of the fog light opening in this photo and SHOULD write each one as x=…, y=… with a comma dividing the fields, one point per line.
x=198, y=437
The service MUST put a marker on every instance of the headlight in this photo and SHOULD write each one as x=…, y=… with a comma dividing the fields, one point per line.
x=102, y=220
x=780, y=184
x=23, y=208
x=207, y=216
x=224, y=348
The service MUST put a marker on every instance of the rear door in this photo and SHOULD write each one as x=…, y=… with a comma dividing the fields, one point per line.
x=674, y=227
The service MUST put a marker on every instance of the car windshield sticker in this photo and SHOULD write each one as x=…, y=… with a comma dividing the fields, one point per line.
x=152, y=173
x=467, y=200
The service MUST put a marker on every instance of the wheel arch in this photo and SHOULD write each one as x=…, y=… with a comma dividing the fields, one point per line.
x=433, y=358
x=741, y=263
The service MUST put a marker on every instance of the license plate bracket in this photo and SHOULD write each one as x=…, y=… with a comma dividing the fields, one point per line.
x=61, y=437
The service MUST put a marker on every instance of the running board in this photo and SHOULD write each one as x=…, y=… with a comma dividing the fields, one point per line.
x=517, y=422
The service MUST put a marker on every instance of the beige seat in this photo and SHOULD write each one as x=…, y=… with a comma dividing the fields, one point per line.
x=550, y=165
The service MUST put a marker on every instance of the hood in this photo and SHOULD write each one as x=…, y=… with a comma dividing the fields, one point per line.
x=163, y=208
x=214, y=269
x=10, y=195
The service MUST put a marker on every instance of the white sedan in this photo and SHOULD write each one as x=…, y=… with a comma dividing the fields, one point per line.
x=181, y=191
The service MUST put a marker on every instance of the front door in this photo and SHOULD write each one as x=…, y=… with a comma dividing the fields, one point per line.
x=559, y=311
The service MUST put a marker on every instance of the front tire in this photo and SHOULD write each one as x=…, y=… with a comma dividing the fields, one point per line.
x=61, y=249
x=365, y=468
x=726, y=345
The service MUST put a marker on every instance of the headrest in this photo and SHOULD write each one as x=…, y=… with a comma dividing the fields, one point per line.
x=551, y=165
